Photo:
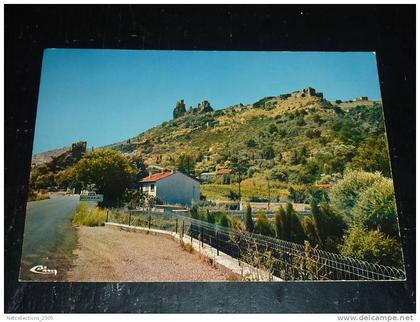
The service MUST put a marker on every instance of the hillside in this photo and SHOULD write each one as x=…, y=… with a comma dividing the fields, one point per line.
x=292, y=139
x=44, y=157
x=284, y=141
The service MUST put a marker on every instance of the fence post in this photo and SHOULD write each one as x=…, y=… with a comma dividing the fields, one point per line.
x=129, y=218
x=217, y=242
x=191, y=231
x=176, y=226
x=202, y=237
x=107, y=215
x=150, y=219
x=182, y=229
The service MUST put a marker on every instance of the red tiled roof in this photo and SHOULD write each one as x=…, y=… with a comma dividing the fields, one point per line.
x=224, y=171
x=156, y=177
x=323, y=185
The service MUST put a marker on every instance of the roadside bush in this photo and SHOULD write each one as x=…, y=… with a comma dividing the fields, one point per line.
x=85, y=217
x=36, y=196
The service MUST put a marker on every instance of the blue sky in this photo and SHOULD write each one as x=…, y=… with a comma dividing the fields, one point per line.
x=105, y=96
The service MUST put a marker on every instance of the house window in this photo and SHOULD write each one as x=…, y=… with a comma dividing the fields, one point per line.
x=152, y=187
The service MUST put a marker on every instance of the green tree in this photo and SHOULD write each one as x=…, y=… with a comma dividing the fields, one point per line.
x=272, y=129
x=223, y=220
x=345, y=192
x=310, y=231
x=194, y=212
x=268, y=153
x=210, y=217
x=329, y=226
x=262, y=225
x=139, y=168
x=239, y=167
x=249, y=222
x=108, y=170
x=297, y=235
x=251, y=143
x=233, y=195
x=44, y=181
x=186, y=164
x=372, y=155
x=372, y=246
x=376, y=208
x=282, y=224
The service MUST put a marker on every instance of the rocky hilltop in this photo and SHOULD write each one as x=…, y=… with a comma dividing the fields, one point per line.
x=203, y=107
x=298, y=137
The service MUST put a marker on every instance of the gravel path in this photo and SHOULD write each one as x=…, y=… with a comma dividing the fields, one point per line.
x=106, y=254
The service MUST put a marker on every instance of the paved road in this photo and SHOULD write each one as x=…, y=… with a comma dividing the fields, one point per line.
x=49, y=238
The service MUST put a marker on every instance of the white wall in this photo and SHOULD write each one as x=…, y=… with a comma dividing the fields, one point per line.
x=146, y=188
x=178, y=189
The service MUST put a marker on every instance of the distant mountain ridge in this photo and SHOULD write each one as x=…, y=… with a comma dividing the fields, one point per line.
x=44, y=157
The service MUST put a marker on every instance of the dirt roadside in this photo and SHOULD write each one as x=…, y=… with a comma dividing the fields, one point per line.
x=105, y=254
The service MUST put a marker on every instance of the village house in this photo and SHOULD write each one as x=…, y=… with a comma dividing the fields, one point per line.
x=171, y=187
x=362, y=98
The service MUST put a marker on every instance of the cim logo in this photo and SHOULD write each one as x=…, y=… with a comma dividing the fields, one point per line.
x=40, y=269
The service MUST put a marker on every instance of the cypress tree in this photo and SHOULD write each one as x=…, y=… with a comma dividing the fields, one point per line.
x=210, y=217
x=310, y=231
x=318, y=222
x=285, y=224
x=249, y=222
x=281, y=224
x=223, y=221
x=297, y=234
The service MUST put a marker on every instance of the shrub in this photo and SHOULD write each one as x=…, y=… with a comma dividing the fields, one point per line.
x=313, y=133
x=268, y=153
x=372, y=155
x=251, y=143
x=210, y=217
x=345, y=192
x=194, y=212
x=223, y=220
x=372, y=246
x=263, y=225
x=93, y=217
x=376, y=208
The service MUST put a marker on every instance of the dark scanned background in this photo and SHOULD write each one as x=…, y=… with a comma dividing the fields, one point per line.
x=388, y=30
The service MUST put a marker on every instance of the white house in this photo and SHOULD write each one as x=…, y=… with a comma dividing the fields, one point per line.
x=172, y=187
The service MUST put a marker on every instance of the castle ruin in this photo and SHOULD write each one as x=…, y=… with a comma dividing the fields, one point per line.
x=307, y=92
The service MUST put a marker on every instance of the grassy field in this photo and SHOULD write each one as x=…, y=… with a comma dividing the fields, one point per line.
x=250, y=188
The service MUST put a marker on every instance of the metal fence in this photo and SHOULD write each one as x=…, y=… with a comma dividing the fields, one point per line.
x=286, y=260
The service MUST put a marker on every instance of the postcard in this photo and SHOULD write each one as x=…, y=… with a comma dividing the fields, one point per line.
x=222, y=166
